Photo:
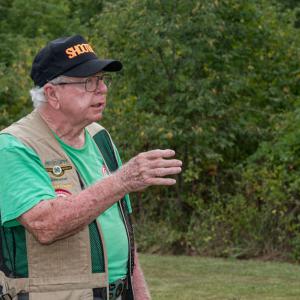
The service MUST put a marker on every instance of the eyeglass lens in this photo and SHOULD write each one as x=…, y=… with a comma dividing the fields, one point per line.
x=92, y=83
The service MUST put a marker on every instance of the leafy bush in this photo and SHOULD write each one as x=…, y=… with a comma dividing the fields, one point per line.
x=218, y=81
x=208, y=80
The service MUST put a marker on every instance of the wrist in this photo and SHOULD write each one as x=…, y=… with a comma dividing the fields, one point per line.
x=119, y=181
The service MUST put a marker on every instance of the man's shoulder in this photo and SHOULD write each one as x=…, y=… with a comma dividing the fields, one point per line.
x=8, y=141
x=8, y=138
x=21, y=125
x=94, y=128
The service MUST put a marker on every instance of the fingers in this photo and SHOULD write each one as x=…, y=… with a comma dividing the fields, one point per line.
x=155, y=164
x=153, y=154
x=165, y=163
x=149, y=168
x=161, y=181
x=161, y=172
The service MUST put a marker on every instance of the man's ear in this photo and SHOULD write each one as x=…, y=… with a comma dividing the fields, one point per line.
x=51, y=96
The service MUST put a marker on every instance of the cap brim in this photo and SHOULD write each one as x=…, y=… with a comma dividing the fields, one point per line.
x=94, y=66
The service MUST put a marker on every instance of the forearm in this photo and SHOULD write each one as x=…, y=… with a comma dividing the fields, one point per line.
x=140, y=287
x=58, y=218
x=63, y=216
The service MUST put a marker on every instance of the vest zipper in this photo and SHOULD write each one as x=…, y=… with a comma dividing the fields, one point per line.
x=123, y=216
x=83, y=186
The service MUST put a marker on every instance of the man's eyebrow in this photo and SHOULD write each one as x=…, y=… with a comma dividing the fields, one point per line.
x=98, y=74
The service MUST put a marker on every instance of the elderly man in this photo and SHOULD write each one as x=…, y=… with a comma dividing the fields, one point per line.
x=65, y=212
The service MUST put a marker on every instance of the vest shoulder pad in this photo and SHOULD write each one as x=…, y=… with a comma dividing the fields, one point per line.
x=94, y=128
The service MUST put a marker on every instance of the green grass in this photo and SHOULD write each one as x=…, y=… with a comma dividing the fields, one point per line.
x=193, y=278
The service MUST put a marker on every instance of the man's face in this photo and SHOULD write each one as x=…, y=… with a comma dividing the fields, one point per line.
x=81, y=106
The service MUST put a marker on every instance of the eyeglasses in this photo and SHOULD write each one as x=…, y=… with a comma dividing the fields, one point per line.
x=91, y=83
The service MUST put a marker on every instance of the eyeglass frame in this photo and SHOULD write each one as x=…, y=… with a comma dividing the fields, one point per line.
x=99, y=77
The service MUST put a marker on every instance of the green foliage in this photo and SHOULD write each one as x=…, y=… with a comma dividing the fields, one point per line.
x=218, y=81
x=26, y=27
x=271, y=181
x=288, y=4
x=206, y=79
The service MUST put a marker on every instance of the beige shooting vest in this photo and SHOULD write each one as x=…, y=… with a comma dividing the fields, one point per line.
x=61, y=270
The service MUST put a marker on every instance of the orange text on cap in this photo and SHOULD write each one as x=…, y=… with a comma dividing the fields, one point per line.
x=78, y=49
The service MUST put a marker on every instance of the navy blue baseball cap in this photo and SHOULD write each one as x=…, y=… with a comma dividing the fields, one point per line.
x=70, y=56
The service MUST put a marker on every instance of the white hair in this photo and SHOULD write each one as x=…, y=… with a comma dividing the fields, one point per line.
x=37, y=96
x=37, y=93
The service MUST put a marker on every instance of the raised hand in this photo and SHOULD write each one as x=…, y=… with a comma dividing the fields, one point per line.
x=149, y=168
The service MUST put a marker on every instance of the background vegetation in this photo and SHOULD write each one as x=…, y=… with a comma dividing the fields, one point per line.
x=218, y=81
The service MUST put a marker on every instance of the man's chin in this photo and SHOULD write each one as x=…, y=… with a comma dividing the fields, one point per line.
x=98, y=117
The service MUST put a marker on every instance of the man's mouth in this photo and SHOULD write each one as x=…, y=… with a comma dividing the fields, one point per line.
x=97, y=105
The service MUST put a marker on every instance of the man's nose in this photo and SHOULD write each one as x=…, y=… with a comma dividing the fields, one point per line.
x=101, y=87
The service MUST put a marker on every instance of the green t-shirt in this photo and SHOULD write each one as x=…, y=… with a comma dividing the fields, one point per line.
x=25, y=181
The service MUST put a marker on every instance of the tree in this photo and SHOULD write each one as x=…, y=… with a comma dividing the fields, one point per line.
x=214, y=80
x=25, y=27
x=206, y=79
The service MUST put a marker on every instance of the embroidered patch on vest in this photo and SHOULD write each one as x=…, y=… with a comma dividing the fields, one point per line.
x=60, y=186
x=62, y=193
x=58, y=161
x=58, y=171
